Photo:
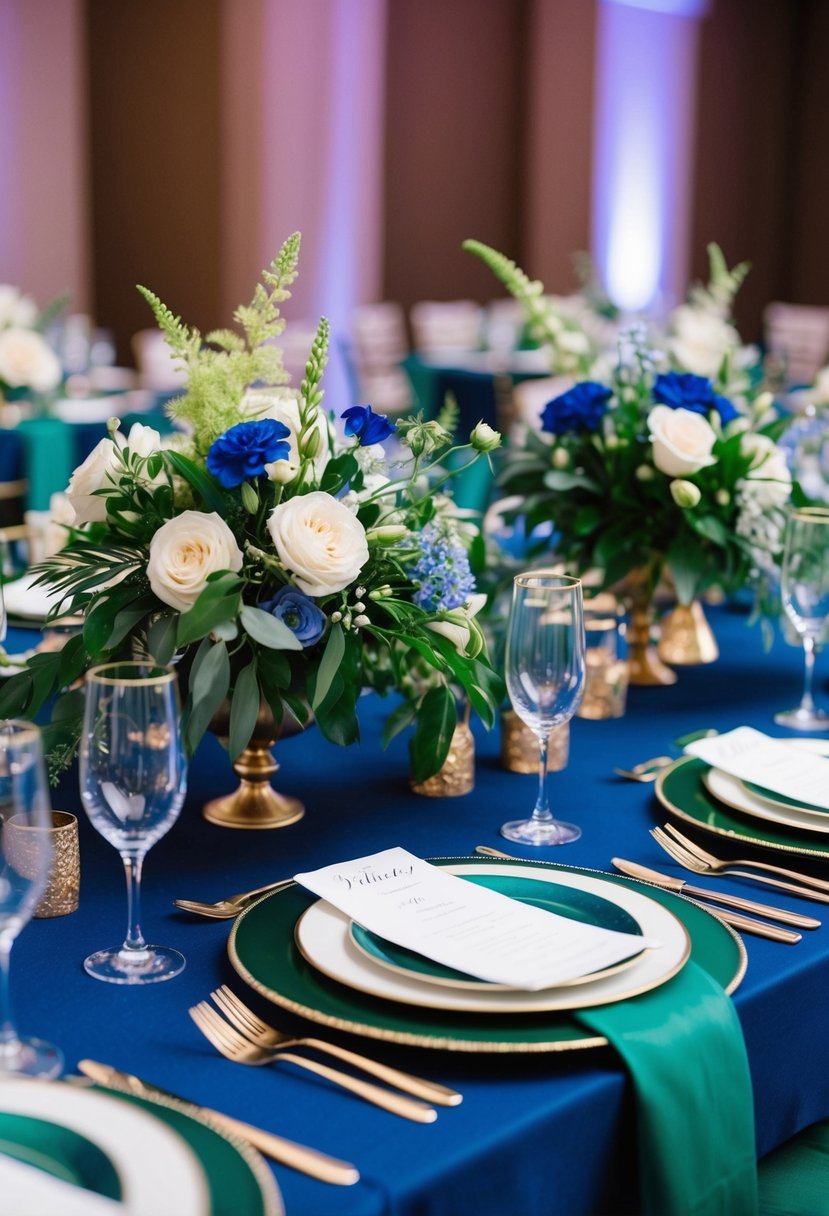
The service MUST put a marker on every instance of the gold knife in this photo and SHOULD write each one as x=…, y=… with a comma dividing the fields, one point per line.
x=735, y=919
x=297, y=1156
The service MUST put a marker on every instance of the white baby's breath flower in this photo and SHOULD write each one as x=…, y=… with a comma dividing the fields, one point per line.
x=682, y=441
x=320, y=541
x=184, y=551
x=27, y=360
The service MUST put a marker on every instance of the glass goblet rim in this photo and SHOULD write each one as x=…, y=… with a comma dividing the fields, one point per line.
x=104, y=673
x=809, y=515
x=546, y=580
x=19, y=731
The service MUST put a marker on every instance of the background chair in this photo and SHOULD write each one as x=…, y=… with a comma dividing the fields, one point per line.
x=446, y=325
x=797, y=337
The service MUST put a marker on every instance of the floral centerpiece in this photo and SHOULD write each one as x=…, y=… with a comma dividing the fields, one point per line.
x=278, y=563
x=645, y=470
x=27, y=362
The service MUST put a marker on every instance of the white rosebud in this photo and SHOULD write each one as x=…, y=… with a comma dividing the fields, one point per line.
x=682, y=441
x=184, y=551
x=336, y=617
x=485, y=438
x=561, y=458
x=387, y=534
x=645, y=472
x=281, y=471
x=361, y=620
x=685, y=494
x=722, y=498
x=359, y=606
x=460, y=628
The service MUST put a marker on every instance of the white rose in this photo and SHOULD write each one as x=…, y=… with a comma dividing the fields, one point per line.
x=682, y=441
x=282, y=404
x=16, y=309
x=320, y=541
x=95, y=471
x=184, y=551
x=89, y=476
x=458, y=627
x=701, y=340
x=28, y=361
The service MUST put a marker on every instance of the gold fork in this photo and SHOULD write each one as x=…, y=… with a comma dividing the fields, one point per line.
x=263, y=1035
x=226, y=909
x=646, y=770
x=234, y=1046
x=697, y=859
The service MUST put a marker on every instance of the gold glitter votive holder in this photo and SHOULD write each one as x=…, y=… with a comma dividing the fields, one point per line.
x=23, y=846
x=606, y=673
x=519, y=746
x=457, y=773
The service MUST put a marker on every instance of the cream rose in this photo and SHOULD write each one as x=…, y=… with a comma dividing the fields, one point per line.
x=94, y=473
x=184, y=551
x=28, y=361
x=282, y=404
x=701, y=339
x=682, y=441
x=319, y=541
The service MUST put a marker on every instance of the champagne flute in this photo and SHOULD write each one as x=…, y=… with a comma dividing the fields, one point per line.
x=24, y=794
x=133, y=779
x=545, y=681
x=804, y=590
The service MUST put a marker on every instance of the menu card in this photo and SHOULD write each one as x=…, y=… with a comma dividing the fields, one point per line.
x=462, y=925
x=772, y=763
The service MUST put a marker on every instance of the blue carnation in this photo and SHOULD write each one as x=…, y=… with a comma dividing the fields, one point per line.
x=442, y=571
x=243, y=451
x=298, y=612
x=684, y=391
x=365, y=426
x=581, y=408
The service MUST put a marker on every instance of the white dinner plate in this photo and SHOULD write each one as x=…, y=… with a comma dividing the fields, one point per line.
x=26, y=602
x=324, y=938
x=157, y=1170
x=772, y=807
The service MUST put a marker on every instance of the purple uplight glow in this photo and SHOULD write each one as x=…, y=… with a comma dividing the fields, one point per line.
x=646, y=54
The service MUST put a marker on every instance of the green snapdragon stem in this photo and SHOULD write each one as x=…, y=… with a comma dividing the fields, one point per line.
x=683, y=1047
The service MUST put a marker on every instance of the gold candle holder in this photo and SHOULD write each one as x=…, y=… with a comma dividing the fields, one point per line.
x=24, y=848
x=606, y=673
x=456, y=775
x=519, y=746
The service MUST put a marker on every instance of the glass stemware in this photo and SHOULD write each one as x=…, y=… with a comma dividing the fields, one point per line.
x=133, y=779
x=804, y=590
x=24, y=794
x=545, y=681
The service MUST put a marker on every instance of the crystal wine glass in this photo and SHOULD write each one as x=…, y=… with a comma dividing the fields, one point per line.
x=804, y=590
x=24, y=794
x=133, y=779
x=545, y=680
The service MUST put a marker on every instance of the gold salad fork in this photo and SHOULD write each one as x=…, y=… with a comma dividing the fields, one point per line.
x=226, y=909
x=646, y=770
x=234, y=1046
x=693, y=857
x=264, y=1035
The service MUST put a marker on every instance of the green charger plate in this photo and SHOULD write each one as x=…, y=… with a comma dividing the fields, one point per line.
x=263, y=952
x=238, y=1180
x=59, y=1151
x=682, y=791
x=584, y=906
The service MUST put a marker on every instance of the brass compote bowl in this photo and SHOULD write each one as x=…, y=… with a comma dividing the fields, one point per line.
x=255, y=804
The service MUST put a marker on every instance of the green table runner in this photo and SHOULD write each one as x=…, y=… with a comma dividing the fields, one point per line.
x=683, y=1046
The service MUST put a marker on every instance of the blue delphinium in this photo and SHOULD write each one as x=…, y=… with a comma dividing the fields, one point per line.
x=442, y=571
x=683, y=390
x=299, y=612
x=365, y=426
x=581, y=408
x=242, y=452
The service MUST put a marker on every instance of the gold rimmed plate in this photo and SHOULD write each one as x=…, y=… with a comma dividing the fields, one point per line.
x=263, y=951
x=681, y=790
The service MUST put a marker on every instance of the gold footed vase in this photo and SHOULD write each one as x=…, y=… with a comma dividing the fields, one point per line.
x=686, y=638
x=255, y=804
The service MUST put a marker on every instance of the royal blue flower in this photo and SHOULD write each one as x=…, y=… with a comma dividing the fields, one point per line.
x=298, y=612
x=243, y=451
x=682, y=390
x=442, y=571
x=365, y=426
x=581, y=408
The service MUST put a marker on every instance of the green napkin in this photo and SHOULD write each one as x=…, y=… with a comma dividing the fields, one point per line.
x=683, y=1046
x=49, y=459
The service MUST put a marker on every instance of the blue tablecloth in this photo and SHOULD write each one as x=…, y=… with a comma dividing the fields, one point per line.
x=535, y=1135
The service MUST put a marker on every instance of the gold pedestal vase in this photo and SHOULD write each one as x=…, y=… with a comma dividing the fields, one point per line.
x=685, y=637
x=255, y=804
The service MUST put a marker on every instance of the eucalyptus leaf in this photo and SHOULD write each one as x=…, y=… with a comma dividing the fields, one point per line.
x=208, y=689
x=268, y=630
x=161, y=638
x=244, y=709
x=329, y=664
